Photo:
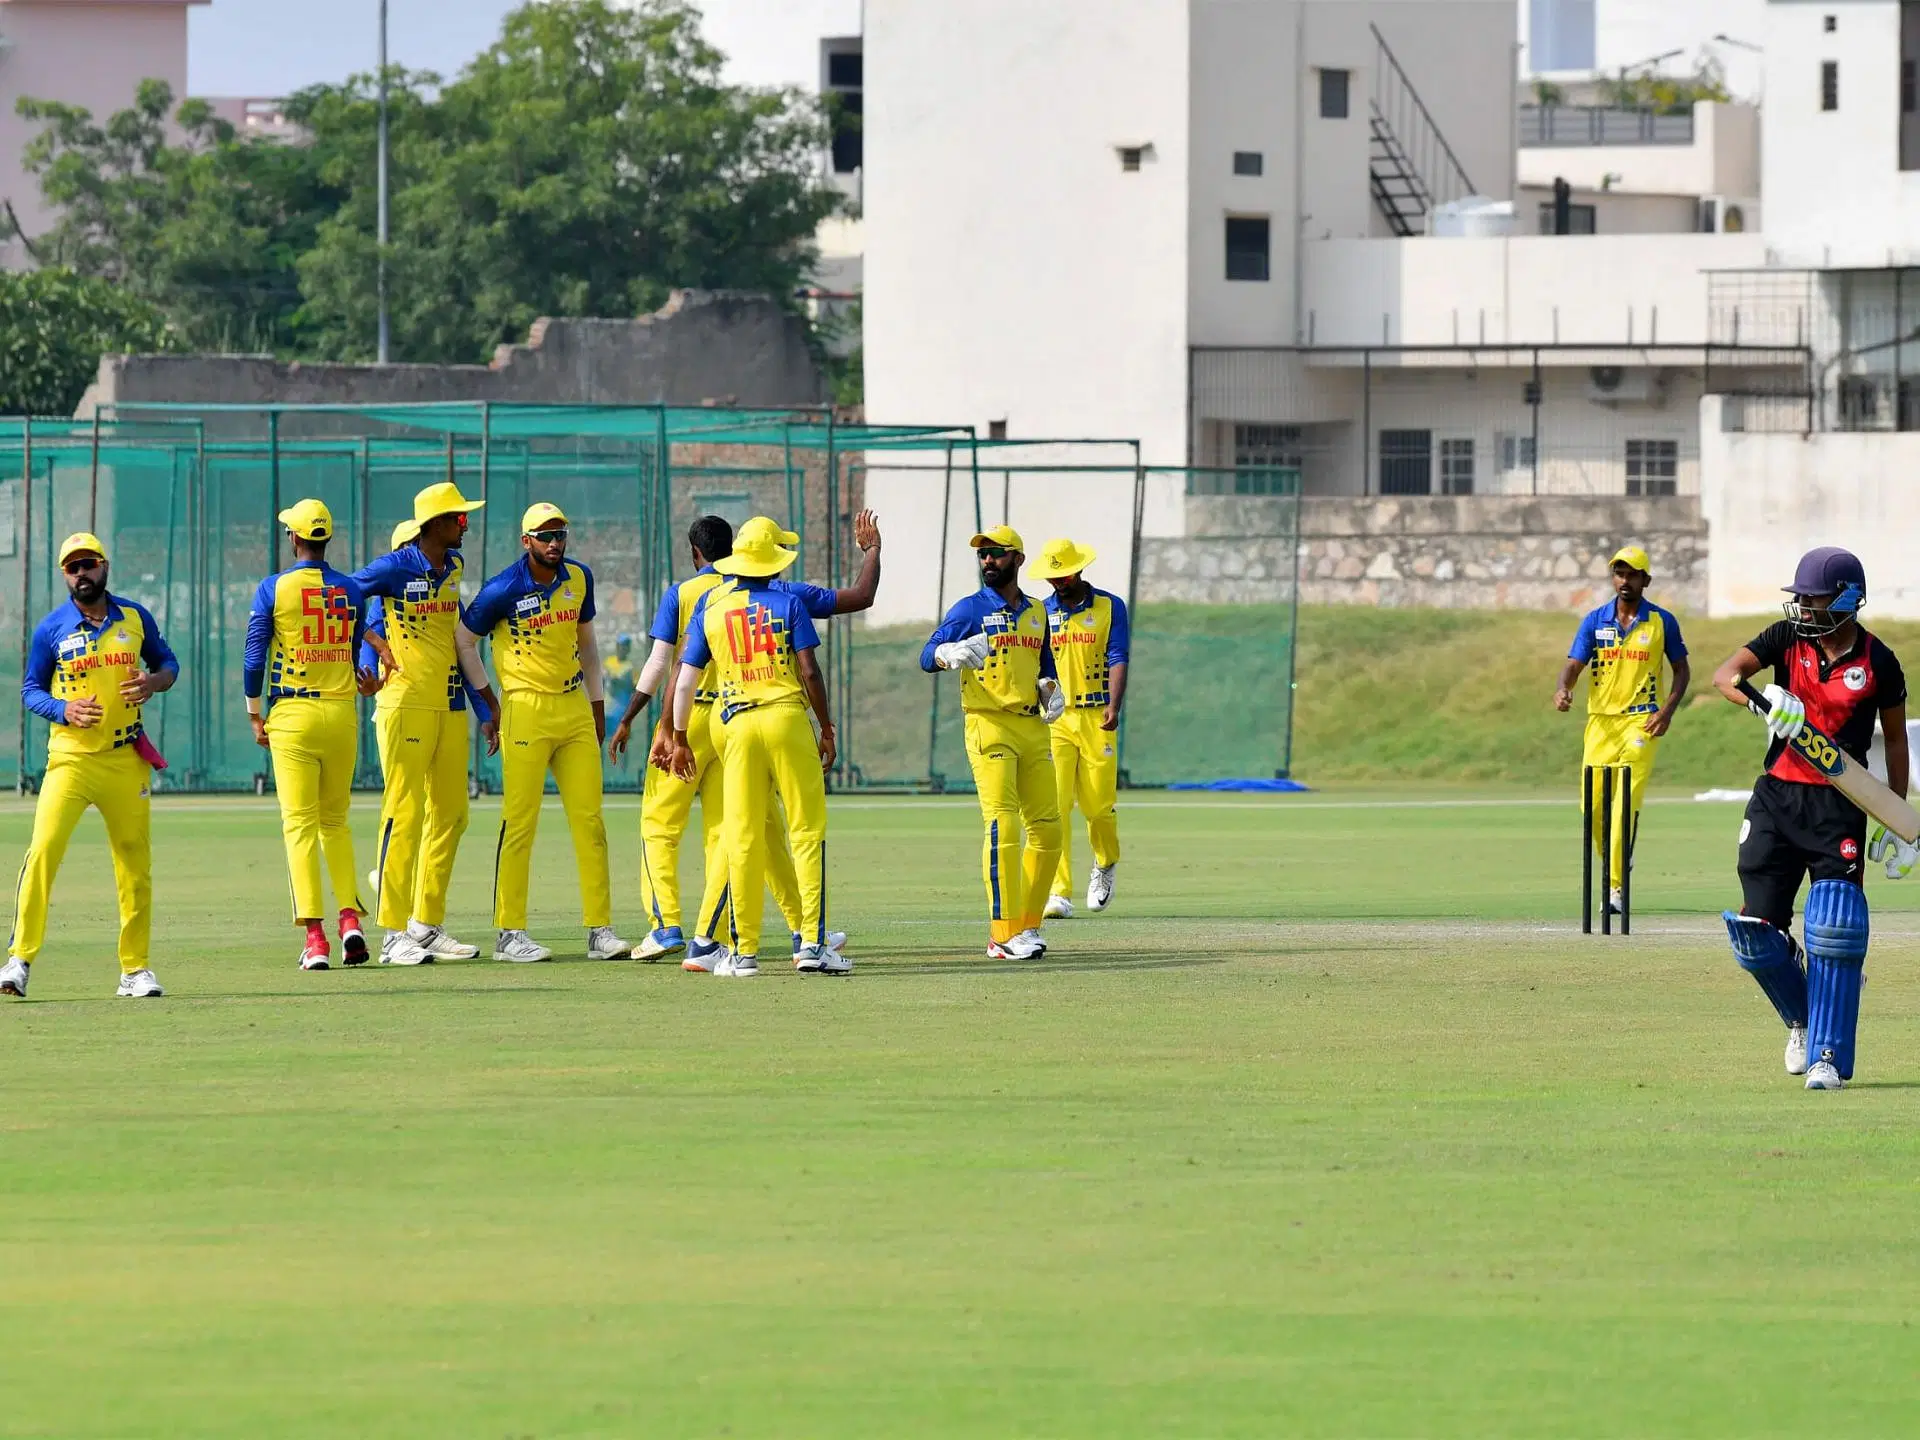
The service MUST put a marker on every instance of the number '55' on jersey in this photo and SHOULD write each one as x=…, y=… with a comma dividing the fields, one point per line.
x=305, y=627
x=751, y=633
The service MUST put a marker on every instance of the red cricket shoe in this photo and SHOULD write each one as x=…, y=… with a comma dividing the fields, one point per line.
x=353, y=940
x=315, y=956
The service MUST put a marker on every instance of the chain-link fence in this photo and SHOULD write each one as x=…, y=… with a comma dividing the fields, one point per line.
x=185, y=497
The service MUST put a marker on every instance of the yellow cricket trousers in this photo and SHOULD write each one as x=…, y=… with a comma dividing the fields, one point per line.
x=315, y=744
x=770, y=751
x=1014, y=776
x=539, y=733
x=423, y=755
x=115, y=783
x=666, y=808
x=1086, y=768
x=1618, y=740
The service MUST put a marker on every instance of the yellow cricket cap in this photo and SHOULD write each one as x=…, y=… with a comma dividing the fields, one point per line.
x=544, y=513
x=442, y=499
x=80, y=543
x=759, y=548
x=1061, y=558
x=1634, y=556
x=308, y=519
x=406, y=532
x=1005, y=536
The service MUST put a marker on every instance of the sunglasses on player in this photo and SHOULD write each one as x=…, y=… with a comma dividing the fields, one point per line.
x=83, y=567
x=547, y=537
x=992, y=552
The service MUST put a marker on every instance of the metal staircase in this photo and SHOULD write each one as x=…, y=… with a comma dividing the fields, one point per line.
x=1411, y=167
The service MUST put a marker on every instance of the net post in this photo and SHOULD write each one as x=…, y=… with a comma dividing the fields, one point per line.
x=26, y=588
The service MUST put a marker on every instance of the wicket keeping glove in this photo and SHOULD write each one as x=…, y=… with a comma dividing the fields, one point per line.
x=967, y=654
x=1788, y=715
x=1883, y=844
x=1053, y=700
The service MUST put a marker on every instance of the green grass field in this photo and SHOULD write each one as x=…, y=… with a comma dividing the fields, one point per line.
x=1335, y=1126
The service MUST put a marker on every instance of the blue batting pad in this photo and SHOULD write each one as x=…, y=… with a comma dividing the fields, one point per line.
x=1769, y=955
x=1836, y=928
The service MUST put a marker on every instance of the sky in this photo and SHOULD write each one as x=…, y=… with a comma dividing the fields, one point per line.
x=271, y=47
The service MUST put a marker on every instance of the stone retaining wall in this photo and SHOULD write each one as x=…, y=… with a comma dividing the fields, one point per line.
x=1453, y=552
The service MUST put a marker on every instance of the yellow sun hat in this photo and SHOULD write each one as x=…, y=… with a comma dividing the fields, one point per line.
x=759, y=548
x=308, y=519
x=544, y=513
x=80, y=543
x=406, y=532
x=1061, y=558
x=442, y=499
x=1634, y=556
x=1005, y=536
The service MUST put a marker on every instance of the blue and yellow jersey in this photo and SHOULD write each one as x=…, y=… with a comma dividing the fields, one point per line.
x=415, y=608
x=1625, y=659
x=1088, y=641
x=303, y=635
x=1017, y=657
x=535, y=627
x=751, y=634
x=674, y=618
x=70, y=657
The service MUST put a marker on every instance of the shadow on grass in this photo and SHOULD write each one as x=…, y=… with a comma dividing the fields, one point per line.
x=960, y=968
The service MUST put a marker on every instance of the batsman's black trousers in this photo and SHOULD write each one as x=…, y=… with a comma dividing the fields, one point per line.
x=1796, y=832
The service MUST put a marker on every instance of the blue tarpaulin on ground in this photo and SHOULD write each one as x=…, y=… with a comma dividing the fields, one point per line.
x=1268, y=787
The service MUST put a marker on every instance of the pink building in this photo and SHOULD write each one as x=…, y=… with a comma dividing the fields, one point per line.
x=83, y=52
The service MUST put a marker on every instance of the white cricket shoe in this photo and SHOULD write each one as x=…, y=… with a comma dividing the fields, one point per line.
x=1059, y=907
x=603, y=944
x=435, y=940
x=736, y=967
x=140, y=985
x=1796, y=1050
x=1100, y=887
x=821, y=960
x=1616, y=902
x=1027, y=945
x=703, y=956
x=519, y=948
x=660, y=941
x=836, y=940
x=13, y=977
x=1822, y=1075
x=398, y=947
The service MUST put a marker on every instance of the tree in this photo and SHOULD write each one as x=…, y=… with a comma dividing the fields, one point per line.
x=1666, y=94
x=207, y=227
x=54, y=327
x=588, y=163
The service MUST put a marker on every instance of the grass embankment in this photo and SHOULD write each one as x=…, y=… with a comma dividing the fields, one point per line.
x=1455, y=695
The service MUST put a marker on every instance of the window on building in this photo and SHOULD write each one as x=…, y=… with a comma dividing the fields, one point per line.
x=1406, y=462
x=1248, y=250
x=1249, y=162
x=1829, y=84
x=1830, y=24
x=996, y=429
x=1334, y=88
x=1516, y=452
x=1262, y=450
x=1456, y=466
x=1859, y=397
x=848, y=150
x=1653, y=467
x=1130, y=157
x=1581, y=219
x=845, y=70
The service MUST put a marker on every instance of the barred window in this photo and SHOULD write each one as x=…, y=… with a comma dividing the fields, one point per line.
x=1653, y=467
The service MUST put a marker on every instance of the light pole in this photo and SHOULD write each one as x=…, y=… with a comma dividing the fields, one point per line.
x=386, y=331
x=1748, y=45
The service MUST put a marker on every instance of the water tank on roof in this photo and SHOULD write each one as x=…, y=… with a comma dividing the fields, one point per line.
x=1473, y=216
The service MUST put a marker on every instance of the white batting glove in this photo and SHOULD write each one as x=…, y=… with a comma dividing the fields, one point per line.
x=1788, y=715
x=1053, y=700
x=1900, y=857
x=967, y=654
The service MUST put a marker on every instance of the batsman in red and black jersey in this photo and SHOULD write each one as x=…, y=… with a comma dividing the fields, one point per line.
x=1828, y=672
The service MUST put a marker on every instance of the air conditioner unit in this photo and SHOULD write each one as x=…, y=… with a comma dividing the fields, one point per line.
x=1728, y=215
x=1617, y=385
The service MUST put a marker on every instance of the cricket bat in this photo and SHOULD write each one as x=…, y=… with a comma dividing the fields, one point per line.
x=1848, y=776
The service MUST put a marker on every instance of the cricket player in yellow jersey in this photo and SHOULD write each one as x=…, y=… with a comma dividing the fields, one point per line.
x=668, y=803
x=303, y=636
x=91, y=665
x=420, y=724
x=1624, y=641
x=760, y=641
x=539, y=613
x=997, y=638
x=1091, y=642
